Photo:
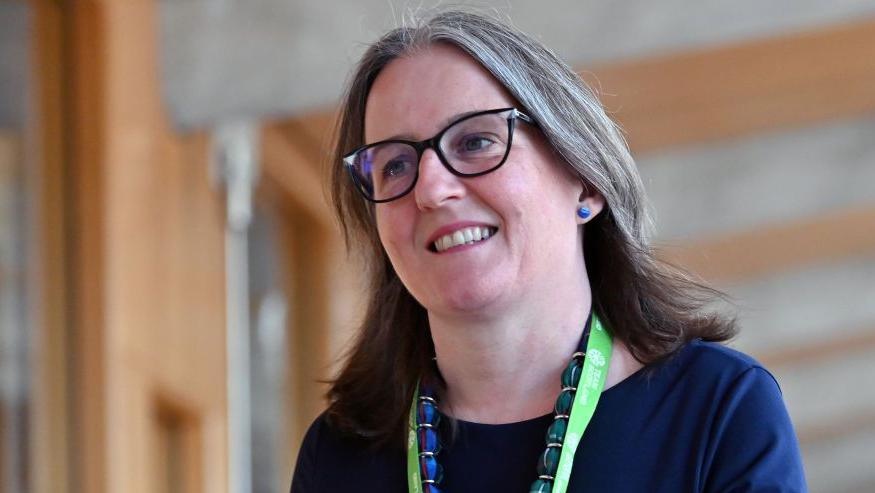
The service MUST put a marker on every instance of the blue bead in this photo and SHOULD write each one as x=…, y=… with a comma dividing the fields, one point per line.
x=427, y=413
x=430, y=469
x=583, y=212
x=430, y=488
x=428, y=440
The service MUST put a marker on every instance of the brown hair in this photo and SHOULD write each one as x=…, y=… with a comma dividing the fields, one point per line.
x=651, y=306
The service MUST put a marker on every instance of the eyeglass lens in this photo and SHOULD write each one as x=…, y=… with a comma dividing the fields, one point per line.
x=471, y=146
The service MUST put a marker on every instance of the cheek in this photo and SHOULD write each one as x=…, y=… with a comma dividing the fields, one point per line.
x=545, y=209
x=537, y=200
x=392, y=228
x=384, y=229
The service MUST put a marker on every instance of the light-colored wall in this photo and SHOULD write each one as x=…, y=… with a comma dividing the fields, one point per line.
x=15, y=51
x=813, y=326
x=277, y=57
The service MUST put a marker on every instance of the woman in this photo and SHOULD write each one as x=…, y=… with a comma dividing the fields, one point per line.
x=513, y=288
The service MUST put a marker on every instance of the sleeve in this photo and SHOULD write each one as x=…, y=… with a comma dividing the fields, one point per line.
x=304, y=479
x=754, y=448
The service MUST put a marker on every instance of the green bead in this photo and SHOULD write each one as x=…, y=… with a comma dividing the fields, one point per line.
x=541, y=486
x=549, y=461
x=556, y=431
x=564, y=402
x=571, y=375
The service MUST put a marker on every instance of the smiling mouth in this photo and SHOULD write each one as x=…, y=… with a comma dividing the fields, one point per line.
x=464, y=236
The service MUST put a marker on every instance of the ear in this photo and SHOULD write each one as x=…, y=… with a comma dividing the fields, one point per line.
x=590, y=203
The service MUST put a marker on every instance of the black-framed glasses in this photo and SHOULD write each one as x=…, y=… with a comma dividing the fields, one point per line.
x=473, y=145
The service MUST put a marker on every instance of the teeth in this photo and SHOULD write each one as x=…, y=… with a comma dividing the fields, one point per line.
x=462, y=237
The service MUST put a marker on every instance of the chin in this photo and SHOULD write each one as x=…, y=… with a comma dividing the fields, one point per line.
x=472, y=301
x=465, y=292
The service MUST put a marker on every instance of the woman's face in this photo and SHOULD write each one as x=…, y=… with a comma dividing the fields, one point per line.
x=529, y=203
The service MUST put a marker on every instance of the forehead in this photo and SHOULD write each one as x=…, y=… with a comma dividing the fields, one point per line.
x=416, y=95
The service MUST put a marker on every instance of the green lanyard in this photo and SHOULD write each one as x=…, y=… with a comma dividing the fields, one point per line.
x=589, y=389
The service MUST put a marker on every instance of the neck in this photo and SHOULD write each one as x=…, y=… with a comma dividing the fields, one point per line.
x=507, y=368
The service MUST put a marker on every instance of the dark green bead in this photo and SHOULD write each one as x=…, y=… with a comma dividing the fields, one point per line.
x=571, y=375
x=564, y=402
x=541, y=486
x=556, y=431
x=549, y=461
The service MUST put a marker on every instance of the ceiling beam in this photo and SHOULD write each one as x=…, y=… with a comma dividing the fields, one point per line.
x=779, y=248
x=741, y=89
x=860, y=340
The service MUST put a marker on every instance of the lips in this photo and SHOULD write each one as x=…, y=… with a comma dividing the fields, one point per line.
x=459, y=234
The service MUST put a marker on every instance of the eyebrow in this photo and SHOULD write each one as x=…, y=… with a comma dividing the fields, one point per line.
x=446, y=122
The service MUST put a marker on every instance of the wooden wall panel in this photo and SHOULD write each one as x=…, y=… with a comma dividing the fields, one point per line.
x=323, y=286
x=294, y=174
x=150, y=261
x=85, y=125
x=50, y=453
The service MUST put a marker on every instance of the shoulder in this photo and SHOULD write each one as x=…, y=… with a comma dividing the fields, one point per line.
x=327, y=458
x=722, y=379
x=712, y=364
x=749, y=435
x=717, y=357
x=324, y=445
x=712, y=378
x=734, y=383
x=304, y=478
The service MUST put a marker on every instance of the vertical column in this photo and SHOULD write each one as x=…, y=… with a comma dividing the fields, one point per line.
x=235, y=159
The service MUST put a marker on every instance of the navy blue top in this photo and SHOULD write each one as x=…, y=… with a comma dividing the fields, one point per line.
x=709, y=419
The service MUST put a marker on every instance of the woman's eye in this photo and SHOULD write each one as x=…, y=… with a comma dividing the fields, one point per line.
x=474, y=143
x=395, y=167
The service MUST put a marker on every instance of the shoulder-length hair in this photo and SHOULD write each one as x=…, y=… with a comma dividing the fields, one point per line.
x=653, y=307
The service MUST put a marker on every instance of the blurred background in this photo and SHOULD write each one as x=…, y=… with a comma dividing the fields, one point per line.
x=173, y=287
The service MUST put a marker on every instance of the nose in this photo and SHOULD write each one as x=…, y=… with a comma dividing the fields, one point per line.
x=436, y=185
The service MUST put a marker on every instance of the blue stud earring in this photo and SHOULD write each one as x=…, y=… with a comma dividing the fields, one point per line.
x=583, y=212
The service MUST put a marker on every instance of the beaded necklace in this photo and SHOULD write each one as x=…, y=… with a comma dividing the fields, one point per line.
x=582, y=383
